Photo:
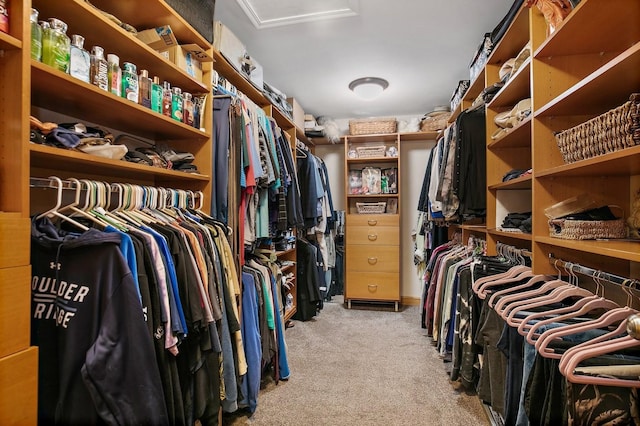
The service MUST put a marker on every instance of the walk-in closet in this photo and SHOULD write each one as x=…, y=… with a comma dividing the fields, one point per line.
x=344, y=212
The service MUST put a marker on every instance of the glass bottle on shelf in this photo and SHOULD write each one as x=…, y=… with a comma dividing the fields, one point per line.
x=56, y=45
x=144, y=89
x=115, y=74
x=99, y=68
x=36, y=36
x=79, y=59
x=130, y=88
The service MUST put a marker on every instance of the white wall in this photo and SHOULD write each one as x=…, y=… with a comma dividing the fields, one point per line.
x=414, y=157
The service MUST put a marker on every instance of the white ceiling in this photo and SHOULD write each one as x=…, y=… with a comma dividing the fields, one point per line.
x=422, y=47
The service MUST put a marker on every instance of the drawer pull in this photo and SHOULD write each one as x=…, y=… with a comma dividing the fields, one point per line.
x=372, y=222
x=372, y=260
x=372, y=287
x=372, y=237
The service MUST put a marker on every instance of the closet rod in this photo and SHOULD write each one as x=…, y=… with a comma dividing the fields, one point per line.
x=593, y=273
x=36, y=182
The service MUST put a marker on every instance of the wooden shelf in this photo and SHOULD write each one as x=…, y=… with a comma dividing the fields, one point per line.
x=372, y=196
x=476, y=228
x=100, y=31
x=233, y=76
x=606, y=88
x=477, y=86
x=514, y=235
x=287, y=267
x=282, y=120
x=514, y=39
x=518, y=137
x=455, y=113
x=625, y=162
x=419, y=136
x=516, y=89
x=283, y=252
x=590, y=26
x=74, y=162
x=52, y=89
x=156, y=14
x=8, y=42
x=628, y=250
x=522, y=182
x=386, y=137
x=372, y=160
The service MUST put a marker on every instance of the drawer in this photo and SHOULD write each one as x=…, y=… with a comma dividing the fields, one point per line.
x=372, y=285
x=19, y=388
x=15, y=237
x=373, y=259
x=373, y=220
x=373, y=235
x=15, y=309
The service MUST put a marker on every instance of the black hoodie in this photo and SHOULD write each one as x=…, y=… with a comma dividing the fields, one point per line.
x=96, y=358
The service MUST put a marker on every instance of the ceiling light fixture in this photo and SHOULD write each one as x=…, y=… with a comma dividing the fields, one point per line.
x=368, y=88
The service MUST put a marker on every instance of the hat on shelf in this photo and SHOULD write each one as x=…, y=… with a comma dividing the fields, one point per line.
x=442, y=109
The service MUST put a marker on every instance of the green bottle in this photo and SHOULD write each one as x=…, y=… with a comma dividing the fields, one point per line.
x=36, y=36
x=130, y=82
x=56, y=46
x=156, y=95
x=177, y=104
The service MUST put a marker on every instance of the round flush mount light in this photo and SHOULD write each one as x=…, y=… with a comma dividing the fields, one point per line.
x=368, y=88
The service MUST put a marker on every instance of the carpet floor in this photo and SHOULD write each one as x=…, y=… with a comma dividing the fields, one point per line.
x=367, y=365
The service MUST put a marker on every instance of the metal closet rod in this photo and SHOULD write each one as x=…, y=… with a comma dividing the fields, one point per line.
x=593, y=273
x=520, y=251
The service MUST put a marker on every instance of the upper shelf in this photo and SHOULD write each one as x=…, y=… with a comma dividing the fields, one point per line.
x=57, y=91
x=8, y=42
x=517, y=88
x=628, y=250
x=514, y=39
x=226, y=70
x=373, y=160
x=475, y=88
x=595, y=26
x=625, y=162
x=522, y=182
x=156, y=13
x=605, y=88
x=75, y=162
x=100, y=31
x=518, y=137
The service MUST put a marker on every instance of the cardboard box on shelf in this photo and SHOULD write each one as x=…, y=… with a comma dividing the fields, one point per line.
x=159, y=38
x=298, y=113
x=188, y=57
x=230, y=46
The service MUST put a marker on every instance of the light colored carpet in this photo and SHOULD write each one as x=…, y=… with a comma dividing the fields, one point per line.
x=364, y=366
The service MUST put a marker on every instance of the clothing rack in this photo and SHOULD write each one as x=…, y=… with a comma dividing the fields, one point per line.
x=593, y=273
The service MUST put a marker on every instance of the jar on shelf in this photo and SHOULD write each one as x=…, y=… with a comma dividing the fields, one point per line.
x=56, y=45
x=36, y=36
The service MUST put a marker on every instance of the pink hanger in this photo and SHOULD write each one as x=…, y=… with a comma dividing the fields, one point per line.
x=501, y=293
x=581, y=307
x=516, y=276
x=512, y=272
x=503, y=302
x=575, y=357
x=556, y=295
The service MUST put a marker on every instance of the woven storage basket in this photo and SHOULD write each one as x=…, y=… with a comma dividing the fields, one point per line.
x=568, y=229
x=614, y=130
x=370, y=151
x=372, y=126
x=371, y=208
x=435, y=123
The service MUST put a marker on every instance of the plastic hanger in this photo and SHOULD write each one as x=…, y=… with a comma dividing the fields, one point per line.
x=575, y=357
x=556, y=295
x=578, y=309
x=74, y=205
x=535, y=279
x=609, y=318
x=512, y=300
x=55, y=212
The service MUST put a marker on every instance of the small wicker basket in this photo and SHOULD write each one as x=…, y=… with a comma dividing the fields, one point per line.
x=569, y=229
x=371, y=208
x=372, y=126
x=370, y=151
x=614, y=130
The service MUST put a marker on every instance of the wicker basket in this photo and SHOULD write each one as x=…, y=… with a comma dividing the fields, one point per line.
x=371, y=208
x=372, y=126
x=435, y=122
x=614, y=130
x=568, y=229
x=370, y=151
